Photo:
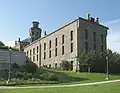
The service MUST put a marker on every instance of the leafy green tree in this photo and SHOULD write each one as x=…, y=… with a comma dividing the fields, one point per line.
x=86, y=59
x=31, y=67
x=1, y=43
x=65, y=65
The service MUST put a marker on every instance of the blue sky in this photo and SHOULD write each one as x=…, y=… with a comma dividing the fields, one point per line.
x=16, y=16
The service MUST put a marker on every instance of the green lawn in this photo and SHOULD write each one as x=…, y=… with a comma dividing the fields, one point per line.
x=104, y=88
x=70, y=77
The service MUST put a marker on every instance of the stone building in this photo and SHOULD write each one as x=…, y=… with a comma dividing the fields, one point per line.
x=68, y=41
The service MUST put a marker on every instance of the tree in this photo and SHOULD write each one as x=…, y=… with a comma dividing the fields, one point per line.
x=65, y=65
x=31, y=67
x=114, y=62
x=1, y=43
x=86, y=59
x=99, y=63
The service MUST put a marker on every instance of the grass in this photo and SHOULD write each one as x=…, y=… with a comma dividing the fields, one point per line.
x=70, y=77
x=104, y=88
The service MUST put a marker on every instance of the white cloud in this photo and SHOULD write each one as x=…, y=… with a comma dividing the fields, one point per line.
x=9, y=43
x=113, y=38
x=112, y=22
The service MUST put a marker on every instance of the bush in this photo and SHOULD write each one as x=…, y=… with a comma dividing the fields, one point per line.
x=15, y=66
x=21, y=75
x=49, y=77
x=53, y=77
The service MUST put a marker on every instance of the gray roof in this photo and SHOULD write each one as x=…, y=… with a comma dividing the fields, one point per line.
x=26, y=40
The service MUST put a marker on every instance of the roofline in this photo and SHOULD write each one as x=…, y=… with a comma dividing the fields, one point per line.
x=94, y=23
x=53, y=31
x=65, y=26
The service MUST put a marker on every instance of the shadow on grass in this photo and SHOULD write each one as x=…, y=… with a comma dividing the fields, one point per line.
x=63, y=77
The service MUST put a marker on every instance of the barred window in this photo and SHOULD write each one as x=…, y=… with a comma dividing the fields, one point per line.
x=86, y=34
x=62, y=50
x=55, y=41
x=55, y=51
x=86, y=46
x=44, y=46
x=33, y=51
x=71, y=48
x=50, y=44
x=37, y=49
x=71, y=34
x=94, y=36
x=63, y=39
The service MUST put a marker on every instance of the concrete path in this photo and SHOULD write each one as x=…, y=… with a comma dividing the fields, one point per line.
x=54, y=86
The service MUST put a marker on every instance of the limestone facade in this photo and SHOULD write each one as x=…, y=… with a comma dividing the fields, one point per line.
x=80, y=35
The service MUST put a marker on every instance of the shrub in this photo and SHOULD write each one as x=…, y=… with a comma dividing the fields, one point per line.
x=49, y=77
x=53, y=77
x=15, y=66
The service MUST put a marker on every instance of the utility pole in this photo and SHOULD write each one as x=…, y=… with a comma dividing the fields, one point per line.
x=9, y=77
x=107, y=64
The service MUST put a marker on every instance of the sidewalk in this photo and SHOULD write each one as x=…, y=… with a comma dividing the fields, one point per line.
x=54, y=86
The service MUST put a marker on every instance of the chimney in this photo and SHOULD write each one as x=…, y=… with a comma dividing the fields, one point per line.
x=92, y=19
x=88, y=17
x=19, y=40
x=97, y=20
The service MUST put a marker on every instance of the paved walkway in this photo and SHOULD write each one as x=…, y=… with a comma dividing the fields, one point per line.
x=54, y=86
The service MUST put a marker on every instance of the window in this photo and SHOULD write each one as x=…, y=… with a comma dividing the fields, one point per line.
x=55, y=51
x=102, y=48
x=55, y=41
x=94, y=36
x=63, y=39
x=44, y=46
x=49, y=65
x=37, y=49
x=71, y=34
x=62, y=50
x=86, y=34
x=55, y=65
x=102, y=40
x=86, y=46
x=94, y=46
x=30, y=52
x=33, y=58
x=44, y=55
x=71, y=65
x=37, y=57
x=50, y=44
x=71, y=50
x=32, y=39
x=33, y=51
x=32, y=33
x=27, y=53
x=49, y=53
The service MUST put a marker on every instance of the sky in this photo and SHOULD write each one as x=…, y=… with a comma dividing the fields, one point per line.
x=16, y=17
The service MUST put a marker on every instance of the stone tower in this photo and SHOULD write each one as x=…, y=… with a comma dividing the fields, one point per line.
x=34, y=32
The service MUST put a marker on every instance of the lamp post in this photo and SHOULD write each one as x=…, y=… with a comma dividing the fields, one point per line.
x=107, y=66
x=10, y=49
